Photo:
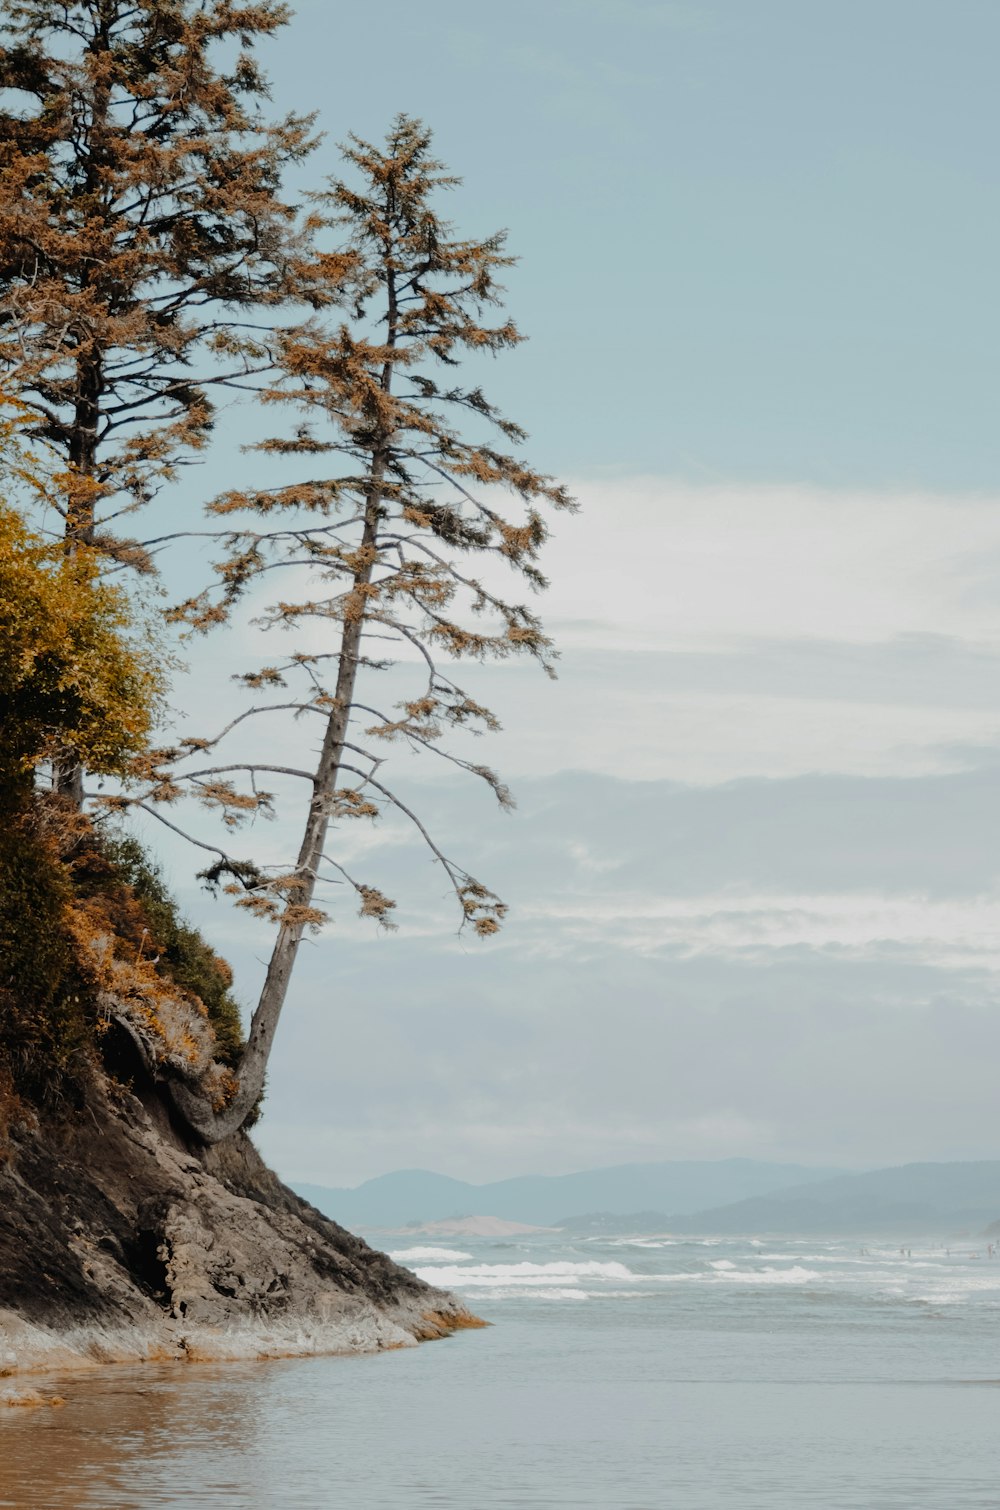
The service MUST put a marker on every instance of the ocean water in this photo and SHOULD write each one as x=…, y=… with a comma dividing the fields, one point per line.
x=621, y=1373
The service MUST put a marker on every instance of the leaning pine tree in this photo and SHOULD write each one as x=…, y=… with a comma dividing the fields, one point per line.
x=393, y=559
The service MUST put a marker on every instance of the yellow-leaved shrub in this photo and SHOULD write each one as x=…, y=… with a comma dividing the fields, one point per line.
x=73, y=671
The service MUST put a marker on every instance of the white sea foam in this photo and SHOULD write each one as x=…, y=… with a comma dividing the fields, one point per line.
x=954, y=1289
x=429, y=1255
x=778, y=1276
x=488, y=1276
x=522, y=1292
x=638, y=1242
x=796, y=1275
x=528, y=1278
x=810, y=1258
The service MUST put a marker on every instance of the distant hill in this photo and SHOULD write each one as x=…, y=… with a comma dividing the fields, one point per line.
x=908, y=1198
x=417, y=1195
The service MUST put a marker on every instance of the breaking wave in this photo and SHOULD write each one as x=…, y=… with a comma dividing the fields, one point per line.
x=550, y=1292
x=796, y=1275
x=429, y=1255
x=489, y=1276
x=526, y=1277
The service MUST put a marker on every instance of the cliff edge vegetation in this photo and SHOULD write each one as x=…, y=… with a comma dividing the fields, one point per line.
x=120, y=1238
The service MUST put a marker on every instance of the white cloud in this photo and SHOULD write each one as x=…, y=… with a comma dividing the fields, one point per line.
x=773, y=949
x=715, y=632
x=621, y=718
x=660, y=591
x=662, y=565
x=939, y=932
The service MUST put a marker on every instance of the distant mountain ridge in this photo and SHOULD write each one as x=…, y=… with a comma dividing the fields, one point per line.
x=904, y=1198
x=409, y=1196
x=737, y=1196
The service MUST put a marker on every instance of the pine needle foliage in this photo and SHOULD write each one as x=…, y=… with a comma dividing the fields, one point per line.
x=392, y=553
x=142, y=233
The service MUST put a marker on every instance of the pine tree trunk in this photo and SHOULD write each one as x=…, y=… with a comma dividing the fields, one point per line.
x=202, y=1119
x=67, y=772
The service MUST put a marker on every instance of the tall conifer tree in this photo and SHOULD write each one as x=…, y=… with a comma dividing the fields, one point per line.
x=142, y=232
x=383, y=554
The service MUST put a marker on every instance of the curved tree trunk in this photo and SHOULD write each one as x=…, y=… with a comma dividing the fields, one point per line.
x=207, y=1123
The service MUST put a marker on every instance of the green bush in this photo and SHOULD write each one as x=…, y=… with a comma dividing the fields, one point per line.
x=60, y=882
x=46, y=1002
x=184, y=954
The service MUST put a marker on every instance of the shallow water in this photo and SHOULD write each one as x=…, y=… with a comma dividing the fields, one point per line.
x=624, y=1374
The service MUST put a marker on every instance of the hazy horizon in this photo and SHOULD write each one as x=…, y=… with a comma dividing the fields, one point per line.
x=868, y=1167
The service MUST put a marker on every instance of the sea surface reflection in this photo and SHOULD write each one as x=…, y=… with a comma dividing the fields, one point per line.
x=620, y=1375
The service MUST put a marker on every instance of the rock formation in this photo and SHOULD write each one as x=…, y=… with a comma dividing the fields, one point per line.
x=119, y=1243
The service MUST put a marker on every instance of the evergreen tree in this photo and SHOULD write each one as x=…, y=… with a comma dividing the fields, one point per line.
x=142, y=232
x=383, y=554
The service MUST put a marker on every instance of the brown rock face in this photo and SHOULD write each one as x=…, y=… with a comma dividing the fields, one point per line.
x=119, y=1243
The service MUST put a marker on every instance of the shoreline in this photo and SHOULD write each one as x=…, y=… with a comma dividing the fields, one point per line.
x=29, y=1349
x=121, y=1244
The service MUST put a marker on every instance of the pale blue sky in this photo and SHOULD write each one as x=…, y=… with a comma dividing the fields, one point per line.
x=759, y=916
x=759, y=238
